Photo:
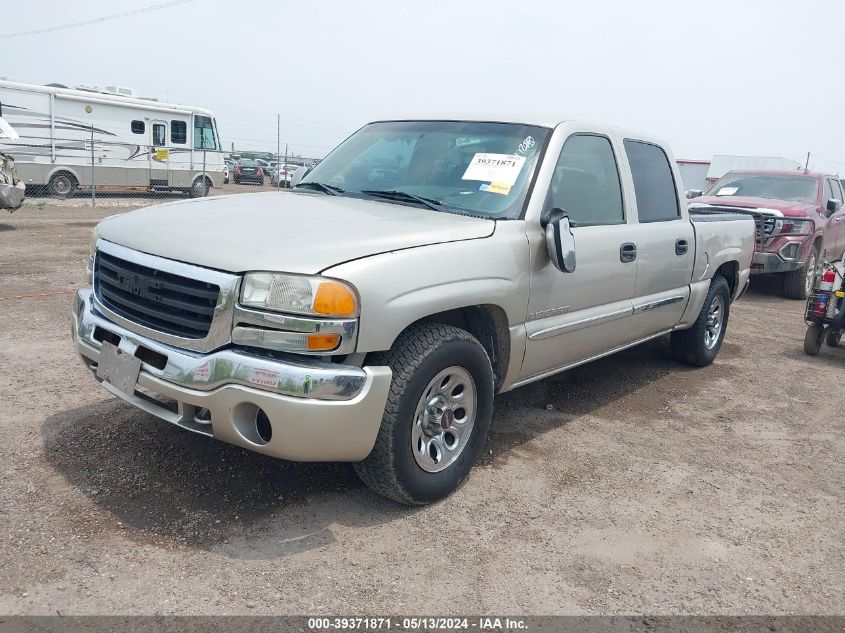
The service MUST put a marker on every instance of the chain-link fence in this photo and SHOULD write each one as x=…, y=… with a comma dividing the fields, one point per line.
x=88, y=168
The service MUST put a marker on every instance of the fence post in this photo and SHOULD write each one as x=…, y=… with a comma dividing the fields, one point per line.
x=204, y=181
x=93, y=184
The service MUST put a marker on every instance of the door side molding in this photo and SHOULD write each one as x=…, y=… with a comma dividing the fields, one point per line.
x=580, y=325
x=653, y=305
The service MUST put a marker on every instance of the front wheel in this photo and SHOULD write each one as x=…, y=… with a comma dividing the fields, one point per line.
x=798, y=284
x=700, y=344
x=437, y=414
x=833, y=338
x=813, y=340
x=200, y=188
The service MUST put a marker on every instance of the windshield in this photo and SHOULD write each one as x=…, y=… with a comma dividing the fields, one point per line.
x=248, y=163
x=467, y=167
x=775, y=187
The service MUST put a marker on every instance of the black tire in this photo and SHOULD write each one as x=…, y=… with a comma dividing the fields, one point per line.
x=691, y=346
x=62, y=185
x=813, y=340
x=798, y=284
x=833, y=338
x=200, y=188
x=237, y=180
x=417, y=356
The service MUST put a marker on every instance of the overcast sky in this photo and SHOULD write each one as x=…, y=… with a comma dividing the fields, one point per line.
x=709, y=76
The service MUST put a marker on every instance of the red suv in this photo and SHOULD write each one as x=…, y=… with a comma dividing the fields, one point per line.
x=800, y=220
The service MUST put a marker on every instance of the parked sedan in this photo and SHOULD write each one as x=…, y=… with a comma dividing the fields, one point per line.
x=248, y=171
x=283, y=175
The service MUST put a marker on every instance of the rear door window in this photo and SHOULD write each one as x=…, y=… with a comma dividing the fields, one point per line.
x=654, y=184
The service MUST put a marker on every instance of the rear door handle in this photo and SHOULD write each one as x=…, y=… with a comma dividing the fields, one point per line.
x=628, y=252
x=681, y=247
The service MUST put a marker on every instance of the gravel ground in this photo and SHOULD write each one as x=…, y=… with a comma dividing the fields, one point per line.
x=630, y=485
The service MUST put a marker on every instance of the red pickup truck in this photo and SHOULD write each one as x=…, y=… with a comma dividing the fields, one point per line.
x=800, y=220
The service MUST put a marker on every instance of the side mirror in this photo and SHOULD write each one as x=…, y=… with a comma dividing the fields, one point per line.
x=833, y=205
x=299, y=174
x=694, y=193
x=560, y=242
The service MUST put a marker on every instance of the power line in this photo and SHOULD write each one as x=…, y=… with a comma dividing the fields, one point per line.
x=105, y=18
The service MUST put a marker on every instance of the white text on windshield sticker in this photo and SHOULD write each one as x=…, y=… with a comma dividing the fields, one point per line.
x=499, y=168
x=727, y=191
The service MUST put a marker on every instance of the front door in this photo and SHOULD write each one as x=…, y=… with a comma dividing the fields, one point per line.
x=835, y=223
x=576, y=316
x=159, y=155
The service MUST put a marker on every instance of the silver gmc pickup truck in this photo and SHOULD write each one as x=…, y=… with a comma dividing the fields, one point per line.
x=372, y=314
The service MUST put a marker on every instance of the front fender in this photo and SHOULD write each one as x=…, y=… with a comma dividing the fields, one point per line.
x=399, y=288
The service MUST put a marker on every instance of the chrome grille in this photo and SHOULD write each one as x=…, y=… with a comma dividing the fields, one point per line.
x=155, y=299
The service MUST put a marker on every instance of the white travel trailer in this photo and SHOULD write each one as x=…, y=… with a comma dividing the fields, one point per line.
x=138, y=144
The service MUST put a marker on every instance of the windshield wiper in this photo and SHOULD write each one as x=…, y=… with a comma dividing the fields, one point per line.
x=321, y=186
x=394, y=194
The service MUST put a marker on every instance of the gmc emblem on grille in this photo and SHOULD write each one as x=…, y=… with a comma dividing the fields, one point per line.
x=139, y=287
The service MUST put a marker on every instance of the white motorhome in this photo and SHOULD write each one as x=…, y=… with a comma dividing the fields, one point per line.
x=138, y=144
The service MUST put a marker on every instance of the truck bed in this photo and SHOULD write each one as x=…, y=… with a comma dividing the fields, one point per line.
x=719, y=214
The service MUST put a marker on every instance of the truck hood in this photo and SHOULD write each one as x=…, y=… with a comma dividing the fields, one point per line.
x=285, y=232
x=789, y=209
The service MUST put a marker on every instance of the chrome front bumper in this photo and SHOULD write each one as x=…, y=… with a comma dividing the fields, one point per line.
x=318, y=411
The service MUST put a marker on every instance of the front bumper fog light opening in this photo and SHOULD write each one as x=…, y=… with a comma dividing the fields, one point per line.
x=790, y=251
x=263, y=426
x=252, y=423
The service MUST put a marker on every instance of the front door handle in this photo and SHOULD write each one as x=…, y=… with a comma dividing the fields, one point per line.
x=681, y=247
x=628, y=252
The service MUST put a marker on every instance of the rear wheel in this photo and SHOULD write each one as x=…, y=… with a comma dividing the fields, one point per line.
x=813, y=340
x=700, y=344
x=833, y=338
x=437, y=415
x=62, y=185
x=798, y=284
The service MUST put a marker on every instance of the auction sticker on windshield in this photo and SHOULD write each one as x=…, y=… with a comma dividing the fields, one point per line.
x=503, y=169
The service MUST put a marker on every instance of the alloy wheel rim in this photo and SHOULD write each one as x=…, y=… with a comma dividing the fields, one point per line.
x=62, y=184
x=444, y=419
x=811, y=273
x=713, y=324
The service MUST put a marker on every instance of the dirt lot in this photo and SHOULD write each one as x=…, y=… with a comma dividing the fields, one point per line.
x=629, y=485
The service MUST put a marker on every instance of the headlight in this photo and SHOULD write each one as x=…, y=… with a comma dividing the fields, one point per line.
x=92, y=247
x=297, y=294
x=795, y=227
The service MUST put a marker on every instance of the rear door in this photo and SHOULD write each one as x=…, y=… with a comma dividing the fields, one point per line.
x=664, y=239
x=576, y=316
